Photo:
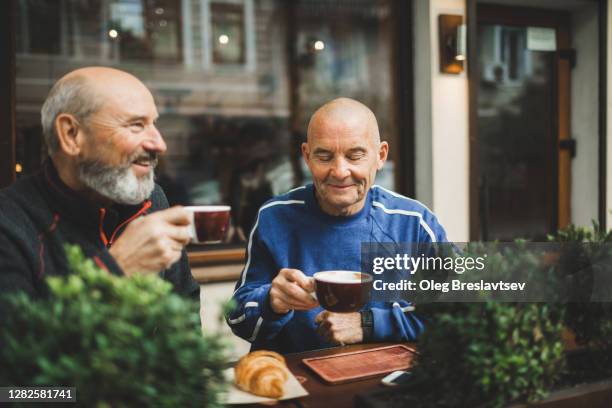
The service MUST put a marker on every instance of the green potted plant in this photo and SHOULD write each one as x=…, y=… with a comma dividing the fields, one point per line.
x=489, y=353
x=586, y=262
x=118, y=341
x=494, y=354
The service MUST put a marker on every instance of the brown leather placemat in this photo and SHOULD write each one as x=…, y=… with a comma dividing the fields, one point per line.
x=356, y=365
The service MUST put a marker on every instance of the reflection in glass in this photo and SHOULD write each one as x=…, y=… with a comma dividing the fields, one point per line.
x=515, y=129
x=345, y=49
x=145, y=29
x=232, y=111
x=227, y=33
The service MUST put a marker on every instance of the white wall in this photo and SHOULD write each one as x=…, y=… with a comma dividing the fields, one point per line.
x=441, y=114
x=584, y=115
x=609, y=122
x=422, y=104
x=441, y=121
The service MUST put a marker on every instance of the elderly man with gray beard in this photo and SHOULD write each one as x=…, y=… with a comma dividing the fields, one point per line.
x=96, y=189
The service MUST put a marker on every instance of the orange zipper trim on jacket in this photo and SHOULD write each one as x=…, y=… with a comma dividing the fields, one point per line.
x=100, y=227
x=108, y=242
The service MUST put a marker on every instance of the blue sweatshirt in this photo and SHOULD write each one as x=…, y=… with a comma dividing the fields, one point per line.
x=292, y=231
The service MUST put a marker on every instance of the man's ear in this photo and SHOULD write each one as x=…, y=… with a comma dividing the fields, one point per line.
x=383, y=152
x=305, y=152
x=69, y=134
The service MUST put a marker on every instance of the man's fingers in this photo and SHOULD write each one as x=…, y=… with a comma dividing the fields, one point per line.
x=292, y=302
x=281, y=302
x=290, y=282
x=324, y=330
x=298, y=295
x=308, y=284
x=321, y=316
x=180, y=233
x=290, y=274
x=176, y=215
x=297, y=276
x=322, y=333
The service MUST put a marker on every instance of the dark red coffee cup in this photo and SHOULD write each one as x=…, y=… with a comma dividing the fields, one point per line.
x=343, y=291
x=208, y=223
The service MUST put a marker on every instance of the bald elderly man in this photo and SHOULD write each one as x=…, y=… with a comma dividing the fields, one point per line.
x=321, y=227
x=96, y=189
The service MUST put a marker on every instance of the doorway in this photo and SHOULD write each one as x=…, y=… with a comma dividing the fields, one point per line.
x=521, y=157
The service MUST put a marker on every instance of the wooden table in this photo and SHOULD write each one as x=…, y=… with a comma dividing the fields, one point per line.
x=325, y=395
x=597, y=394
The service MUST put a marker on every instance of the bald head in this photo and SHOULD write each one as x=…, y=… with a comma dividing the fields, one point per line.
x=345, y=112
x=100, y=74
x=83, y=92
x=107, y=83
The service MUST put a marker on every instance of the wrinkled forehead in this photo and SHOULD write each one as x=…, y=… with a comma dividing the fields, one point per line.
x=341, y=132
x=126, y=97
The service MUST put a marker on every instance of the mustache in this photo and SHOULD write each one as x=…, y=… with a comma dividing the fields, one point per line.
x=97, y=168
x=151, y=157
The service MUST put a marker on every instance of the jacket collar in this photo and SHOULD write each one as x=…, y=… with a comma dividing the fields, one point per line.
x=72, y=205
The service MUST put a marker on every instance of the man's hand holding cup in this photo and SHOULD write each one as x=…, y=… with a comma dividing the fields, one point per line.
x=292, y=290
x=154, y=242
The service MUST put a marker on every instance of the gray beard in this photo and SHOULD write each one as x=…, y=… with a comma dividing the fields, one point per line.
x=118, y=184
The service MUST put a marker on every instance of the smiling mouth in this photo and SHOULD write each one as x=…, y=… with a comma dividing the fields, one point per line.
x=147, y=160
x=142, y=162
x=341, y=187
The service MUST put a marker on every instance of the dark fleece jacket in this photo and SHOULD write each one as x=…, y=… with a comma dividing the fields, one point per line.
x=39, y=214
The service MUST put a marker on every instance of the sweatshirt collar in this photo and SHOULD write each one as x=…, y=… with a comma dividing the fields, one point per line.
x=313, y=204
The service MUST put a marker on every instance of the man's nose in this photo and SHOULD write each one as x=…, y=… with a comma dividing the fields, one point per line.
x=340, y=169
x=154, y=141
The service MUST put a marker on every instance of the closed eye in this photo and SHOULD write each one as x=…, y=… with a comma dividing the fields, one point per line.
x=356, y=156
x=323, y=157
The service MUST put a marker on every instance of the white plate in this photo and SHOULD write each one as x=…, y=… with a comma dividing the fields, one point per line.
x=234, y=395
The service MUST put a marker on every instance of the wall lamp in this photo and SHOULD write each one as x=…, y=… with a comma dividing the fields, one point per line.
x=452, y=43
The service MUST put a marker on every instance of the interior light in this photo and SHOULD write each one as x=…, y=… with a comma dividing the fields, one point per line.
x=18, y=168
x=113, y=33
x=223, y=39
x=319, y=45
x=461, y=45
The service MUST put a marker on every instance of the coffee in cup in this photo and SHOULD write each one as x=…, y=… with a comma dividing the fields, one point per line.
x=208, y=223
x=343, y=291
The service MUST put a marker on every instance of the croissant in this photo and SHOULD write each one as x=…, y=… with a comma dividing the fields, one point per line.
x=262, y=373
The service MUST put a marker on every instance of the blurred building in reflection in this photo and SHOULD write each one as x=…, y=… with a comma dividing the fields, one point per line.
x=235, y=80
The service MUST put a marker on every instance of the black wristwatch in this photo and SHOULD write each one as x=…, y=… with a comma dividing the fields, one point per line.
x=367, y=324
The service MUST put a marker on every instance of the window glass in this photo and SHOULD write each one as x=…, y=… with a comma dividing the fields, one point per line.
x=39, y=27
x=235, y=82
x=227, y=42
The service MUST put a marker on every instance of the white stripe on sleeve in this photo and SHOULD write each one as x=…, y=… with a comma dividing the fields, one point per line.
x=241, y=318
x=256, y=331
x=422, y=222
x=404, y=309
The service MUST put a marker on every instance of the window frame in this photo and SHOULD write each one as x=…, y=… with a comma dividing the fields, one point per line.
x=250, y=63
